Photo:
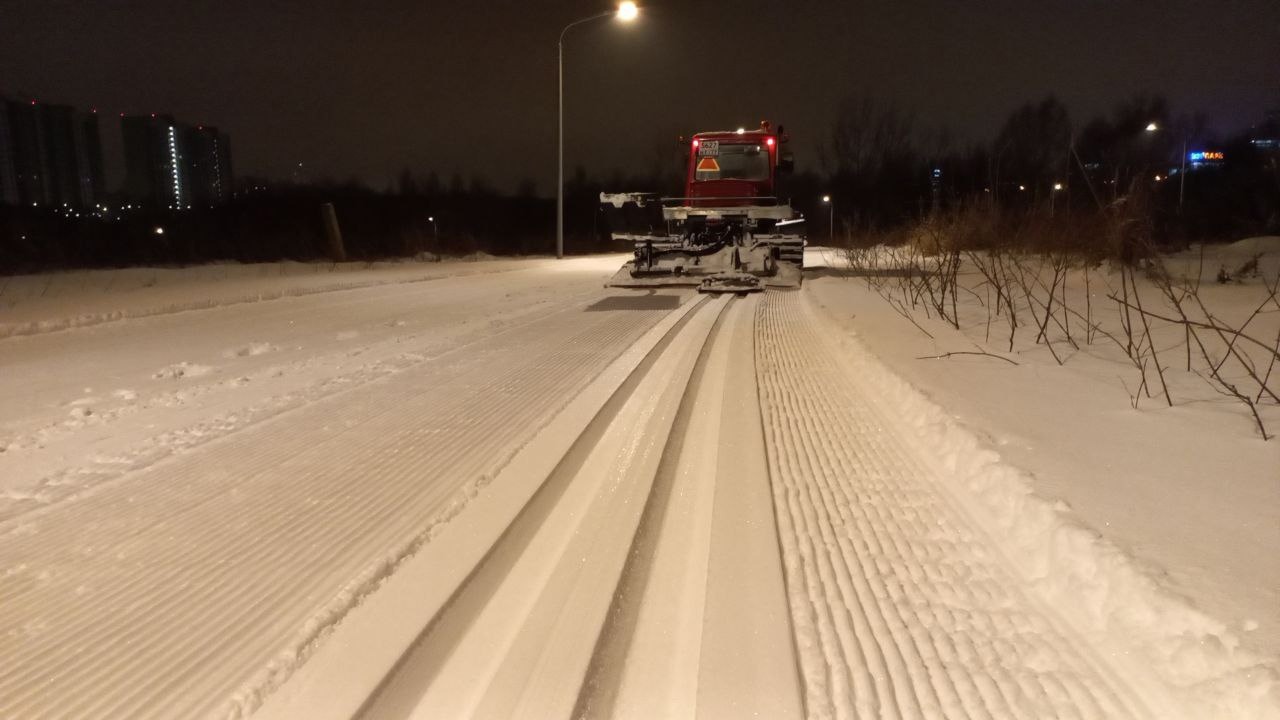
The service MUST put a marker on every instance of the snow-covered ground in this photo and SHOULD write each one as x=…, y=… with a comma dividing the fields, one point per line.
x=1190, y=492
x=496, y=489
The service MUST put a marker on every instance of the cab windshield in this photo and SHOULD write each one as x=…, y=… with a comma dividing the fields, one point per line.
x=739, y=161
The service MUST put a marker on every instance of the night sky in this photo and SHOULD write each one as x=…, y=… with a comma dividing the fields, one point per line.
x=368, y=88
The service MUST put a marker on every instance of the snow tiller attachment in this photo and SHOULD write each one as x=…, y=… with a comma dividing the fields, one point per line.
x=730, y=233
x=716, y=249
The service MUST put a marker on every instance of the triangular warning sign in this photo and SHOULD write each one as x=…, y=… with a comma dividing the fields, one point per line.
x=708, y=164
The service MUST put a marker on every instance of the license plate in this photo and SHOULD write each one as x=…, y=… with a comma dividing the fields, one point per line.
x=709, y=148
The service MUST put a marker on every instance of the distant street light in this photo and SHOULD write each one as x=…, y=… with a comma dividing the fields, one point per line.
x=831, y=217
x=1182, y=170
x=1053, y=196
x=435, y=236
x=626, y=12
x=159, y=231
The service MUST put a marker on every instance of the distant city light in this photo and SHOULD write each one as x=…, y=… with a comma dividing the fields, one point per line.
x=1022, y=187
x=1057, y=186
x=826, y=198
x=741, y=130
x=173, y=164
x=159, y=230
x=1152, y=127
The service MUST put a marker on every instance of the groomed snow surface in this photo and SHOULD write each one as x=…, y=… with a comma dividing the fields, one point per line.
x=496, y=489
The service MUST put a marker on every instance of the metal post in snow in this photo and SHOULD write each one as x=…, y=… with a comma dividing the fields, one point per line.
x=1182, y=175
x=560, y=173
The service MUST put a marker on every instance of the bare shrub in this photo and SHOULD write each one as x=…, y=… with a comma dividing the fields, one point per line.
x=1022, y=269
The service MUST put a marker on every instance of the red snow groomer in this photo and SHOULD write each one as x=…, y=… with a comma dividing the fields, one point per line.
x=729, y=233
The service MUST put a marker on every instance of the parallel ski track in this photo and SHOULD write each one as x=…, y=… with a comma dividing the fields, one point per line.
x=700, y=626
x=901, y=609
x=518, y=638
x=234, y=556
x=643, y=577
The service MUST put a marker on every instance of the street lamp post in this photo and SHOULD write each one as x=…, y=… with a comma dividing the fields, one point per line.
x=831, y=218
x=1182, y=175
x=435, y=237
x=626, y=12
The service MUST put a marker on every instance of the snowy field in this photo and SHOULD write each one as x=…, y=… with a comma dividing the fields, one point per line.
x=496, y=489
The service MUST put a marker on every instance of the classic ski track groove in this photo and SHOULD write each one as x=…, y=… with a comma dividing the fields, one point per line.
x=305, y=531
x=901, y=609
x=501, y=647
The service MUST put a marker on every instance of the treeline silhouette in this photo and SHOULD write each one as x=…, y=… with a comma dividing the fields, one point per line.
x=881, y=166
x=272, y=221
x=885, y=171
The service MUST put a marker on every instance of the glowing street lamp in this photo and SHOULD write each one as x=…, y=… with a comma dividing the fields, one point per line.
x=831, y=217
x=626, y=12
x=1152, y=127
